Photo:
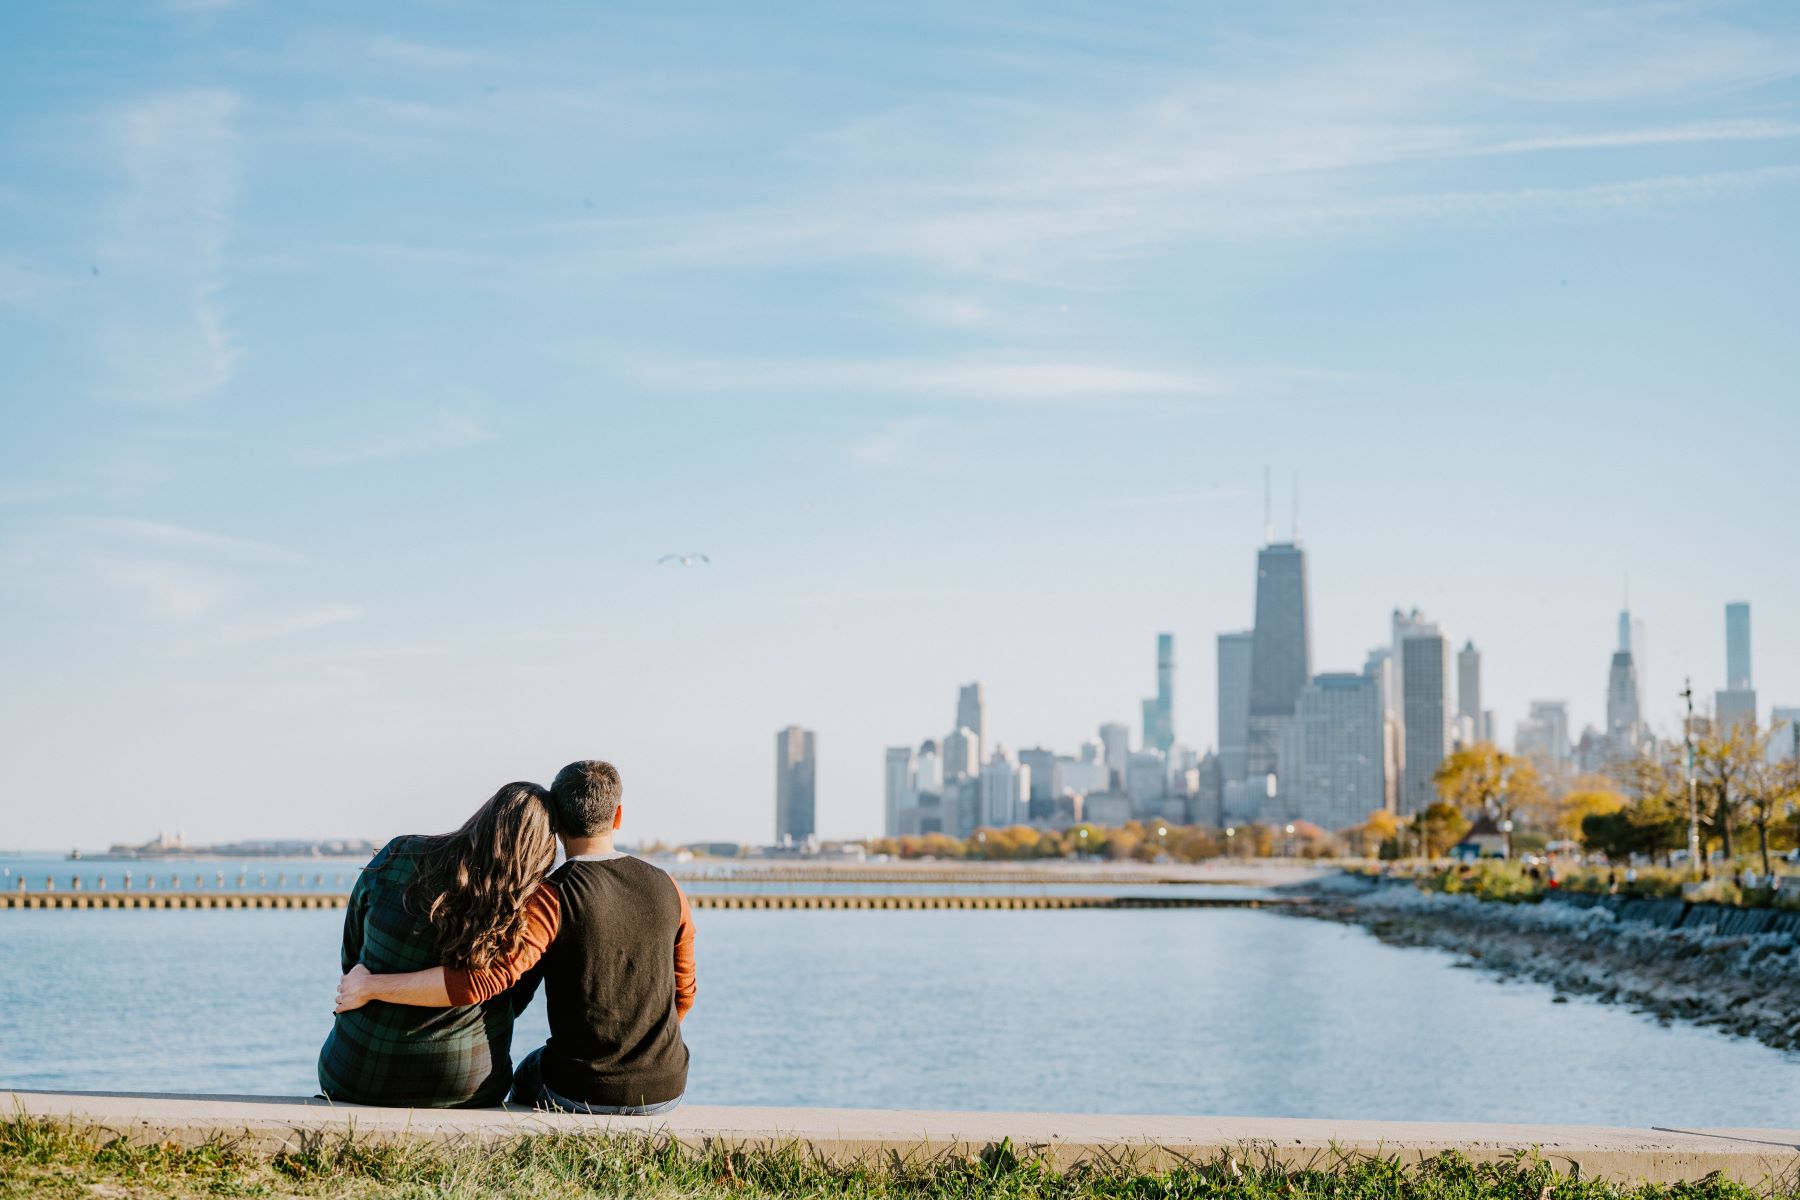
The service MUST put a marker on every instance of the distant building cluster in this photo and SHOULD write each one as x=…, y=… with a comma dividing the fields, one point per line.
x=1291, y=744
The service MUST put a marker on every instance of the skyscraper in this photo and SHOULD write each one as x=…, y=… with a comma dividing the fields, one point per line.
x=1115, y=742
x=796, y=772
x=1159, y=712
x=1343, y=754
x=1625, y=729
x=1234, y=707
x=928, y=769
x=1005, y=786
x=1737, y=645
x=1624, y=724
x=1280, y=654
x=1403, y=624
x=1543, y=737
x=971, y=714
x=962, y=756
x=1041, y=804
x=1147, y=783
x=1784, y=734
x=1468, y=687
x=1736, y=702
x=899, y=793
x=1425, y=694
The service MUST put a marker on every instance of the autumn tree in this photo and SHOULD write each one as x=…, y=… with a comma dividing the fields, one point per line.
x=1484, y=778
x=1589, y=797
x=1439, y=827
x=1379, y=828
x=1726, y=763
x=1657, y=813
x=1770, y=790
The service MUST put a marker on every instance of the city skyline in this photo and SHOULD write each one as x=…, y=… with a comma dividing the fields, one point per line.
x=1346, y=745
x=361, y=366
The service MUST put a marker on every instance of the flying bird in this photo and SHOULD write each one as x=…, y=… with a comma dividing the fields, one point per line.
x=686, y=560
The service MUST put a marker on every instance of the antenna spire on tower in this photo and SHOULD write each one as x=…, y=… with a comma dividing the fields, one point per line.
x=1296, y=508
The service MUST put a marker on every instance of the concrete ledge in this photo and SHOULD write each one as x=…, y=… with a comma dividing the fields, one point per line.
x=285, y=900
x=1750, y=1156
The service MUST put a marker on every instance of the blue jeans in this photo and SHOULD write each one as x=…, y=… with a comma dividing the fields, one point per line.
x=529, y=1088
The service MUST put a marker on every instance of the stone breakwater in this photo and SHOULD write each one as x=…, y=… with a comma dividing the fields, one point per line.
x=1673, y=963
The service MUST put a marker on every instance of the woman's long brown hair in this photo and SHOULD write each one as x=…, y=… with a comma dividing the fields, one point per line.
x=472, y=885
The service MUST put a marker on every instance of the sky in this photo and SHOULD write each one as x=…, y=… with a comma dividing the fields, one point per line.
x=358, y=363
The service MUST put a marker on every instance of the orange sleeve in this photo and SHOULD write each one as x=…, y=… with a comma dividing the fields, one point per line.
x=543, y=913
x=685, y=985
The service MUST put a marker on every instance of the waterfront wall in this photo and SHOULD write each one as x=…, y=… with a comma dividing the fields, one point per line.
x=1752, y=1157
x=1725, y=920
x=289, y=900
x=1736, y=969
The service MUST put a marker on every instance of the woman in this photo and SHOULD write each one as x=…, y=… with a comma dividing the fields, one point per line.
x=473, y=900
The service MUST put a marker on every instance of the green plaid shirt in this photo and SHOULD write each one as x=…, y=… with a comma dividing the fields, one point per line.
x=398, y=1055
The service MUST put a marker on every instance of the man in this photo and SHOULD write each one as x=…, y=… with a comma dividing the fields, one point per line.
x=618, y=973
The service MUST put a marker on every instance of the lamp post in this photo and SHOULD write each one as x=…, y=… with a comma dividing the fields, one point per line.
x=1288, y=846
x=1693, y=784
x=1230, y=845
x=1506, y=824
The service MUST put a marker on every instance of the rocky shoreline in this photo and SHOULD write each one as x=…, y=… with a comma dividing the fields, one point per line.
x=1747, y=985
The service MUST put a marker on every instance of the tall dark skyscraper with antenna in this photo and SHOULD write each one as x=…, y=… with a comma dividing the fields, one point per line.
x=1280, y=654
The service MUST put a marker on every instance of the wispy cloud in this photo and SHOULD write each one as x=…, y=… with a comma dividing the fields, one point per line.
x=1302, y=138
x=289, y=624
x=1174, y=499
x=211, y=588
x=21, y=285
x=404, y=52
x=169, y=590
x=165, y=338
x=444, y=431
x=995, y=379
x=162, y=534
x=1665, y=135
x=894, y=443
x=956, y=312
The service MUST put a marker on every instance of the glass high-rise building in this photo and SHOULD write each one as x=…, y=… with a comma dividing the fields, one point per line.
x=1735, y=704
x=971, y=714
x=1425, y=697
x=1468, y=688
x=1041, y=801
x=899, y=793
x=1159, y=711
x=1343, y=754
x=796, y=775
x=1234, y=706
x=1280, y=654
x=1737, y=646
x=1115, y=741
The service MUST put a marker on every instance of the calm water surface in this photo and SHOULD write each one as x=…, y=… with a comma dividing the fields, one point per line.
x=339, y=875
x=1165, y=1011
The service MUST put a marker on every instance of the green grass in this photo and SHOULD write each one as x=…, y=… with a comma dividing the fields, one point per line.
x=39, y=1158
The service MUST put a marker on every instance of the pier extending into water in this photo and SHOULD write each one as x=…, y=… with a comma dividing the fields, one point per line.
x=286, y=900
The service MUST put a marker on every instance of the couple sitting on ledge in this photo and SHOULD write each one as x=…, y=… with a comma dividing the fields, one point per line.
x=447, y=938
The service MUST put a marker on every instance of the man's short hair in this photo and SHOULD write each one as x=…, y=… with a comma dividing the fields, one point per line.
x=585, y=796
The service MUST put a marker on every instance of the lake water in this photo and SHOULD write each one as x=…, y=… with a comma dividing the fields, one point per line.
x=1160, y=1011
x=333, y=875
